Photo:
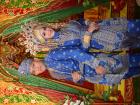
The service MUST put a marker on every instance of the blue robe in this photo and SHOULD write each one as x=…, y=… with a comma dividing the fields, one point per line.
x=64, y=61
x=72, y=53
x=113, y=34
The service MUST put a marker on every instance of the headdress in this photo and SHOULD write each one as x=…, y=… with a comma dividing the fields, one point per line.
x=29, y=40
x=24, y=68
x=32, y=37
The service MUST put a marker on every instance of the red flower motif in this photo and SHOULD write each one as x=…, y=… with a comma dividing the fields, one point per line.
x=16, y=11
x=21, y=11
x=74, y=98
x=5, y=10
x=21, y=90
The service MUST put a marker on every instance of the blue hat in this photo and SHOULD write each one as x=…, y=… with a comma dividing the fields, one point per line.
x=24, y=68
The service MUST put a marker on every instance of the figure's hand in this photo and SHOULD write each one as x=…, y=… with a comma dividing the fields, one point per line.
x=100, y=70
x=76, y=76
x=87, y=39
x=92, y=27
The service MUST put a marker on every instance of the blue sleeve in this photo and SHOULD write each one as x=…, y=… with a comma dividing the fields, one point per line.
x=111, y=64
x=64, y=71
x=62, y=67
x=84, y=24
x=134, y=26
x=78, y=27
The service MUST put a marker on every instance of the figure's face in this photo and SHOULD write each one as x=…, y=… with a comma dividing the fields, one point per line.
x=47, y=32
x=37, y=67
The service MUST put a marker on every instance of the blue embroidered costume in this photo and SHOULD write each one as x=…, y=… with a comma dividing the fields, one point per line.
x=71, y=55
x=111, y=35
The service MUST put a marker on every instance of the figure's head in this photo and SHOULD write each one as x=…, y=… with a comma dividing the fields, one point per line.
x=38, y=32
x=35, y=33
x=43, y=32
x=31, y=66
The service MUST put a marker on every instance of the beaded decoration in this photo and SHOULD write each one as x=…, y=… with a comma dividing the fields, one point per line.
x=31, y=40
